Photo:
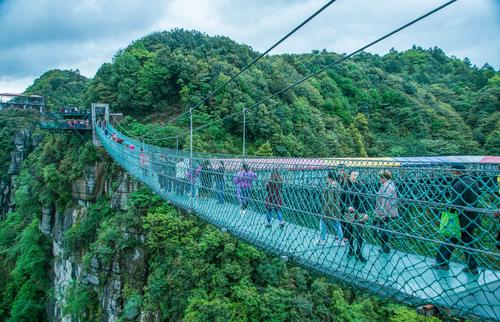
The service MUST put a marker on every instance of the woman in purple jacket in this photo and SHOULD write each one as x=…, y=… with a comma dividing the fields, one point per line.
x=244, y=181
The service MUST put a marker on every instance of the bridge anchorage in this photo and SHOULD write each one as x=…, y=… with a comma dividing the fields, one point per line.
x=419, y=230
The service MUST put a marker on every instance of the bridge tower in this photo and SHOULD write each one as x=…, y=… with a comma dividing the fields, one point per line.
x=98, y=109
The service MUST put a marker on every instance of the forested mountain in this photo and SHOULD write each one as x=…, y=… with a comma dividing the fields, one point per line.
x=80, y=239
x=60, y=88
x=417, y=102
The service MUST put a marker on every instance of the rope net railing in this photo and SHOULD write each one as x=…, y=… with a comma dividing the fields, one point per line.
x=415, y=231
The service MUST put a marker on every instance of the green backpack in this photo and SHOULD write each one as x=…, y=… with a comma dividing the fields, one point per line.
x=449, y=225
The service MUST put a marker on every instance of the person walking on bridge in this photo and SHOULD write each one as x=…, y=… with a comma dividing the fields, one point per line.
x=244, y=182
x=192, y=176
x=274, y=198
x=343, y=181
x=386, y=208
x=181, y=169
x=219, y=181
x=144, y=162
x=464, y=194
x=331, y=209
x=206, y=179
x=355, y=216
x=161, y=166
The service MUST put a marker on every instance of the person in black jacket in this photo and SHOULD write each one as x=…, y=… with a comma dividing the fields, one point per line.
x=343, y=177
x=219, y=181
x=206, y=179
x=464, y=193
x=355, y=216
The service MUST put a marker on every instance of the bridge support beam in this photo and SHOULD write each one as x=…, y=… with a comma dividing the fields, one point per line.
x=191, y=166
x=244, y=131
x=98, y=109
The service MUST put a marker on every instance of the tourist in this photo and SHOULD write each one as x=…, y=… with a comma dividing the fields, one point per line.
x=355, y=216
x=386, y=208
x=206, y=179
x=160, y=165
x=219, y=182
x=274, y=198
x=331, y=209
x=464, y=194
x=244, y=181
x=170, y=173
x=343, y=181
x=143, y=162
x=191, y=176
x=181, y=169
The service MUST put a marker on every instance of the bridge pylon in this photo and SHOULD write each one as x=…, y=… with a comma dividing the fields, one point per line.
x=98, y=109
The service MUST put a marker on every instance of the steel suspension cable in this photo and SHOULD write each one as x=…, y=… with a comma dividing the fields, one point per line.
x=303, y=23
x=353, y=53
x=329, y=65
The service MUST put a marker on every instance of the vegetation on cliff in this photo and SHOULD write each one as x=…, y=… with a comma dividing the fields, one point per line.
x=25, y=252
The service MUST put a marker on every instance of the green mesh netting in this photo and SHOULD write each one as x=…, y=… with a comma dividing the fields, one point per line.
x=391, y=231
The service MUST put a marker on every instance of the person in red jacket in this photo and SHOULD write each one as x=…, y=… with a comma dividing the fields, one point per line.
x=274, y=198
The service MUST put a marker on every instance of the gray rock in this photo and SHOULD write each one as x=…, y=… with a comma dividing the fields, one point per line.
x=90, y=186
x=126, y=185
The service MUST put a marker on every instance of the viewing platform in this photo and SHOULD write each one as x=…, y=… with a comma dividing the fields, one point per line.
x=20, y=101
x=67, y=118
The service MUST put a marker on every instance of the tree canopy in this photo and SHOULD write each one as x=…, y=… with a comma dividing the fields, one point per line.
x=416, y=102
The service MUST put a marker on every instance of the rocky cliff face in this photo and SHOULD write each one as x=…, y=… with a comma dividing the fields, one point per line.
x=107, y=282
x=24, y=142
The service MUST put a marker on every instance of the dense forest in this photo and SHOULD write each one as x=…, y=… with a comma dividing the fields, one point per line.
x=60, y=88
x=417, y=102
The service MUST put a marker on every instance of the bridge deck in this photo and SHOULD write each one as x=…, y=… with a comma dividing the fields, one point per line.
x=408, y=275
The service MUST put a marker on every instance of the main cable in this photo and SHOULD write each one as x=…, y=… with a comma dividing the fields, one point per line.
x=354, y=53
x=250, y=64
x=328, y=66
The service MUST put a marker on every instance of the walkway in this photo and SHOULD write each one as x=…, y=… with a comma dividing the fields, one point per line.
x=408, y=277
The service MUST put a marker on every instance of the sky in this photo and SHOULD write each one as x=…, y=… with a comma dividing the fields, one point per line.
x=39, y=35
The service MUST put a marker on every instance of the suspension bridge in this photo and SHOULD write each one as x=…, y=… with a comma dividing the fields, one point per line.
x=398, y=245
x=405, y=272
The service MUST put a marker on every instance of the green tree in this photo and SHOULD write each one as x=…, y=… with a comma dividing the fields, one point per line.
x=264, y=150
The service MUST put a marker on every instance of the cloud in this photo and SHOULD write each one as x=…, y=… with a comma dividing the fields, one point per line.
x=46, y=34
x=39, y=35
x=12, y=85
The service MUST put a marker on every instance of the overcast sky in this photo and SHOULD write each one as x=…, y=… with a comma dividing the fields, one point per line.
x=39, y=35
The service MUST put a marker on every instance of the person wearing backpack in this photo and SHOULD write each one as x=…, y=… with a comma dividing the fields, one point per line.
x=457, y=224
